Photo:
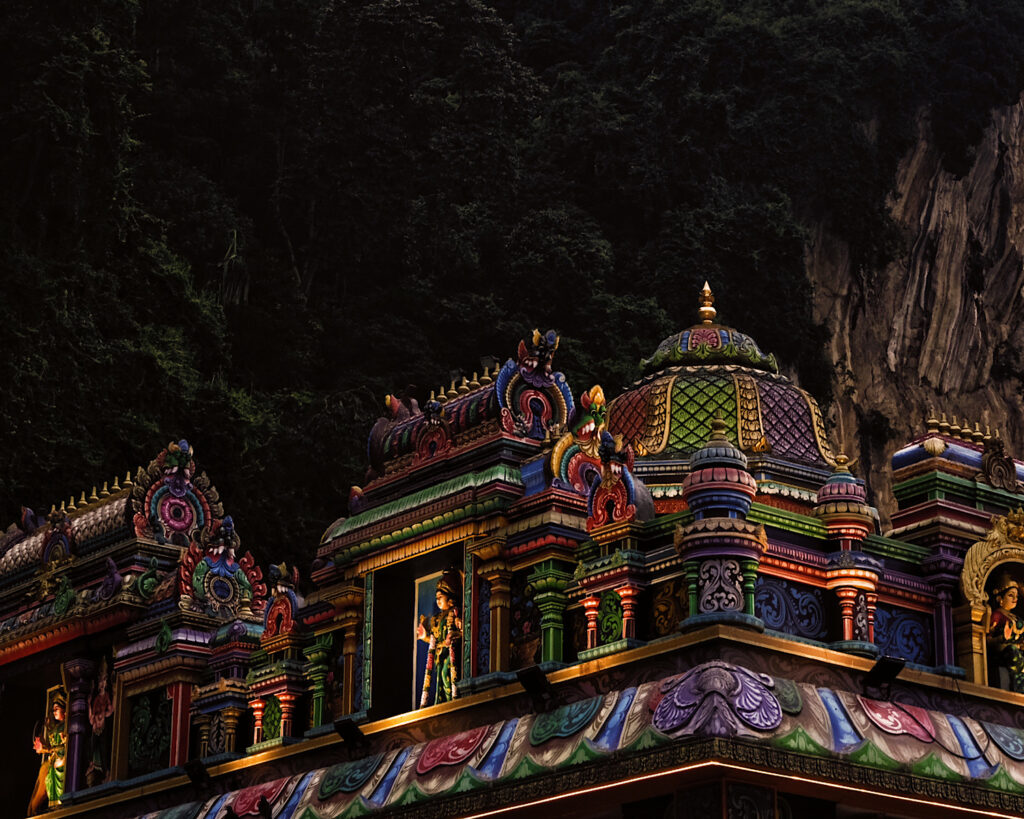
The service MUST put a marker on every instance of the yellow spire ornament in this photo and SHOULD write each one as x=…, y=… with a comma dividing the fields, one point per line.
x=706, y=312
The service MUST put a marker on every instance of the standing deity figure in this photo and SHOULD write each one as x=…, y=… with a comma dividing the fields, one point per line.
x=1006, y=630
x=51, y=743
x=443, y=634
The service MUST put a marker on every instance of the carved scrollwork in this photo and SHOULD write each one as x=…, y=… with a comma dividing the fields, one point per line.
x=1003, y=544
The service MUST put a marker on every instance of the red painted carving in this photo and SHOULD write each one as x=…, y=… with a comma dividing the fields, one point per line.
x=187, y=567
x=279, y=617
x=451, y=750
x=248, y=801
x=901, y=719
x=622, y=509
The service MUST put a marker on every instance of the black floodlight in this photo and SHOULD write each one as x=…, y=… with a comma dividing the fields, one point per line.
x=197, y=772
x=349, y=732
x=536, y=683
x=882, y=674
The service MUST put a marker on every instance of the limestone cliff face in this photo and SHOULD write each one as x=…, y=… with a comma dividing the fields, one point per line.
x=942, y=327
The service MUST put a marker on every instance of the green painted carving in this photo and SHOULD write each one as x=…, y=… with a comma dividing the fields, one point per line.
x=64, y=598
x=411, y=795
x=934, y=767
x=149, y=732
x=202, y=568
x=467, y=782
x=609, y=618
x=526, y=768
x=565, y=721
x=799, y=740
x=148, y=580
x=871, y=755
x=788, y=693
x=694, y=404
x=163, y=638
x=1002, y=781
x=649, y=738
x=348, y=777
x=585, y=752
x=359, y=807
x=309, y=813
x=271, y=719
x=367, y=641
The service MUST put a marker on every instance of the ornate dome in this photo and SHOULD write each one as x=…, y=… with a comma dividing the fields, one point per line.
x=708, y=369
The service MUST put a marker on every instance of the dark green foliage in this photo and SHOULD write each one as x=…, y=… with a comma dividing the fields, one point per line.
x=244, y=223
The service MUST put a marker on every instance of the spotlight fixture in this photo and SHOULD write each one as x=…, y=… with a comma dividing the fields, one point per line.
x=197, y=772
x=878, y=681
x=536, y=683
x=349, y=732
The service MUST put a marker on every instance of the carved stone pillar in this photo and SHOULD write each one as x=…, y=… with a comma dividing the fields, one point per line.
x=231, y=716
x=628, y=594
x=350, y=606
x=287, y=700
x=202, y=722
x=257, y=707
x=549, y=580
x=180, y=694
x=316, y=655
x=79, y=676
x=494, y=569
x=851, y=574
x=847, y=600
x=590, y=607
x=971, y=648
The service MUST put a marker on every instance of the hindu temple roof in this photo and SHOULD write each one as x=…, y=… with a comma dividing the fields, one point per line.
x=709, y=343
x=709, y=369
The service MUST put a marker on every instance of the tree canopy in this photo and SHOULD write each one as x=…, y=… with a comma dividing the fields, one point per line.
x=245, y=223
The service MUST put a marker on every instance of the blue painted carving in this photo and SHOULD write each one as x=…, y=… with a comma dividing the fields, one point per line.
x=1010, y=740
x=793, y=609
x=483, y=629
x=717, y=699
x=844, y=735
x=904, y=633
x=972, y=754
x=492, y=764
x=611, y=731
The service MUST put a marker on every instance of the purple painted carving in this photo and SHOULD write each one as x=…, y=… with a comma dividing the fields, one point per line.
x=717, y=699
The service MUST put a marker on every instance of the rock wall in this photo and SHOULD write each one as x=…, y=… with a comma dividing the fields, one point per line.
x=942, y=328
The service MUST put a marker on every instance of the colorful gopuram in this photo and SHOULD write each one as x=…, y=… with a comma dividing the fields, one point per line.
x=543, y=601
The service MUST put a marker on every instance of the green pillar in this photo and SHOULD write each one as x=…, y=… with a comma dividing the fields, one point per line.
x=691, y=569
x=749, y=569
x=316, y=657
x=549, y=580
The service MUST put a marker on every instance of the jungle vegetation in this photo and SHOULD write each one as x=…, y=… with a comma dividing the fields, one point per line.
x=245, y=222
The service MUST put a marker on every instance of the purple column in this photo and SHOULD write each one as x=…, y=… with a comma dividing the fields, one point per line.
x=943, y=573
x=79, y=676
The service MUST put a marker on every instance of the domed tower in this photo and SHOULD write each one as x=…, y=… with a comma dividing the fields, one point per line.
x=711, y=369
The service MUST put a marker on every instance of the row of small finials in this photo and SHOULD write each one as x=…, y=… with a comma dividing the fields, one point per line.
x=443, y=396
x=951, y=429
x=94, y=496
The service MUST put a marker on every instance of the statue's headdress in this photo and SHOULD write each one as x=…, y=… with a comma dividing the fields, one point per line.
x=450, y=583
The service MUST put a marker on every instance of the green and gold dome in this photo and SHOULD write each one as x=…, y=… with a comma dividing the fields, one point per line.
x=710, y=369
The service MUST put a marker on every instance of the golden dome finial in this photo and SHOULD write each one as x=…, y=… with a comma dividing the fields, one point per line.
x=706, y=312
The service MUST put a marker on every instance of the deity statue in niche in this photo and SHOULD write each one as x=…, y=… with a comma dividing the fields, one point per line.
x=443, y=634
x=50, y=741
x=101, y=707
x=1006, y=629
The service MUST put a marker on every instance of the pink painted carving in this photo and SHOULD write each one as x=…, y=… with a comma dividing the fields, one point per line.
x=451, y=750
x=899, y=719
